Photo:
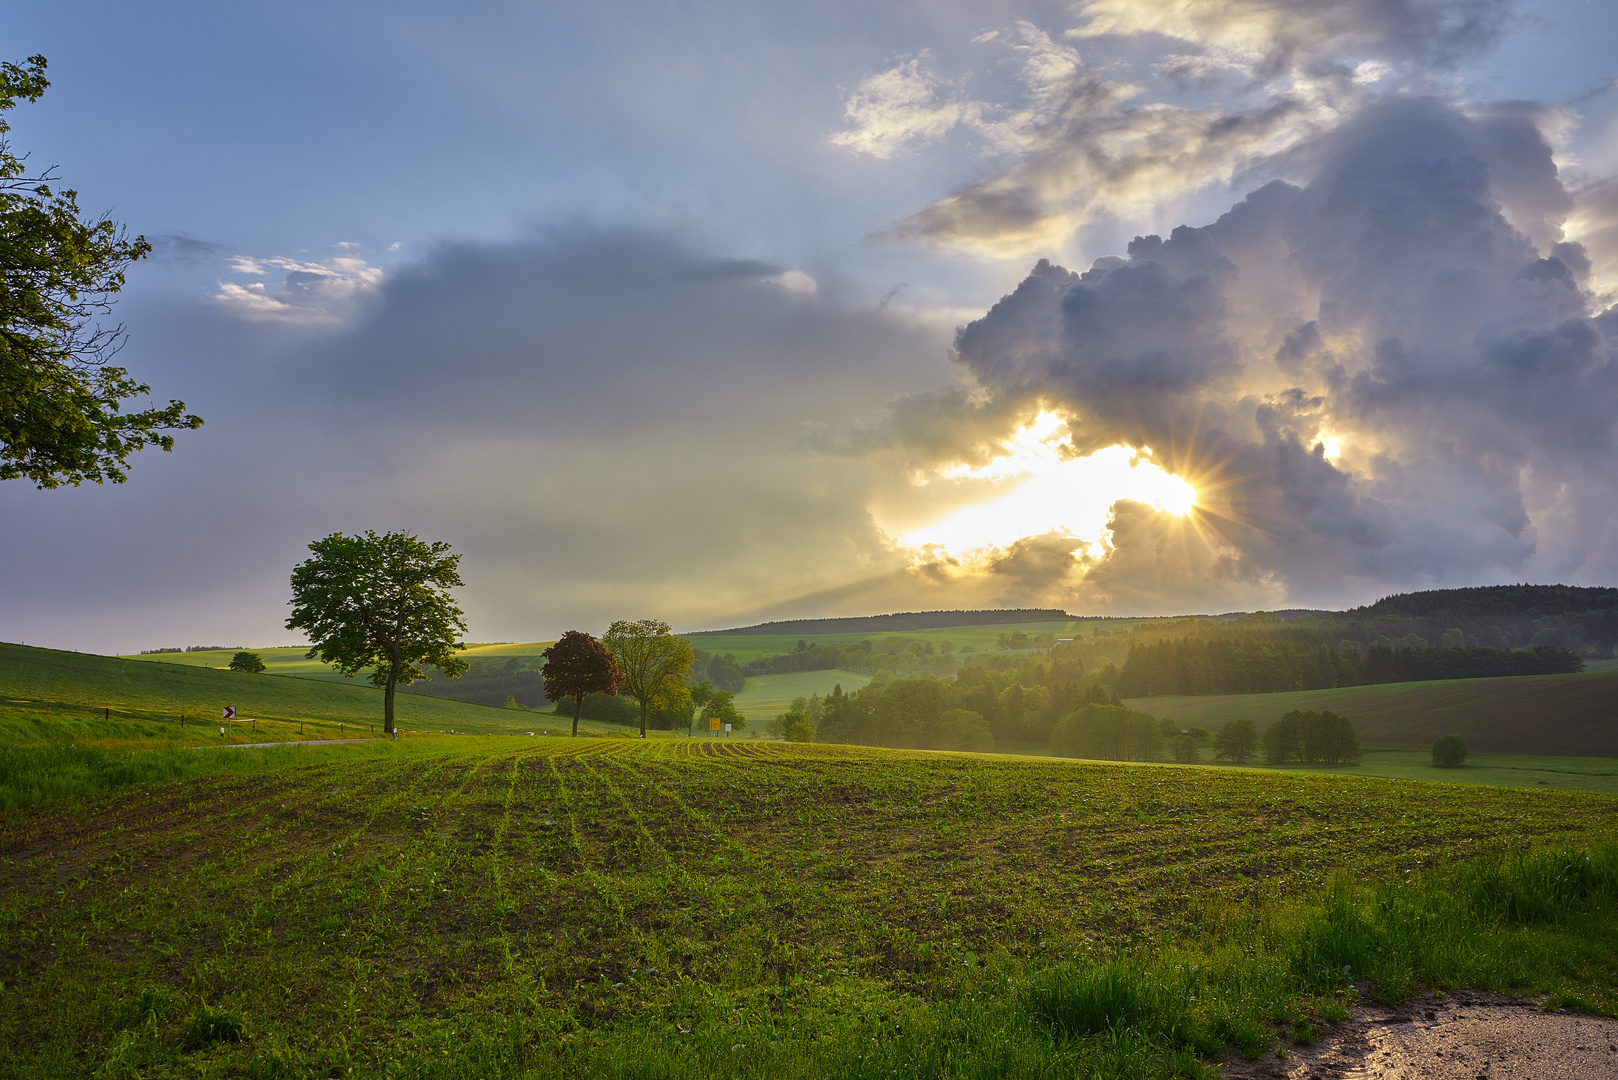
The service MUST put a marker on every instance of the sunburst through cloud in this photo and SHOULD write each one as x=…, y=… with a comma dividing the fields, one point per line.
x=1048, y=489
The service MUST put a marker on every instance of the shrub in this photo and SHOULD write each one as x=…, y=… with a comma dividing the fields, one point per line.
x=798, y=729
x=1449, y=751
x=210, y=1027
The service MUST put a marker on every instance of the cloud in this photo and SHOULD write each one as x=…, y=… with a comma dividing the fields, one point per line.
x=1593, y=224
x=604, y=422
x=909, y=104
x=1080, y=145
x=1411, y=303
x=309, y=293
x=1271, y=37
x=178, y=247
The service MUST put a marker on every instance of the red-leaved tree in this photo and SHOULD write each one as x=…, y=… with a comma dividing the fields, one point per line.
x=577, y=665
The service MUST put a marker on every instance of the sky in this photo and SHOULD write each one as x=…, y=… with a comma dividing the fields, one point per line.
x=722, y=312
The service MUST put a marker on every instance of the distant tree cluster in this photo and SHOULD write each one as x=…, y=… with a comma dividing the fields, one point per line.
x=1020, y=639
x=1313, y=738
x=979, y=710
x=720, y=672
x=1108, y=733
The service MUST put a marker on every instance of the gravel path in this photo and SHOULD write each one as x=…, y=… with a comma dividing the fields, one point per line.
x=1467, y=1037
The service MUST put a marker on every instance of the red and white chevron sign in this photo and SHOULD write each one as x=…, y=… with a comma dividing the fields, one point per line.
x=230, y=712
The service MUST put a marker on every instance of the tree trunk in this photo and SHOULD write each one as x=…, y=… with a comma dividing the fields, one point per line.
x=387, y=695
x=643, y=719
x=387, y=702
x=578, y=704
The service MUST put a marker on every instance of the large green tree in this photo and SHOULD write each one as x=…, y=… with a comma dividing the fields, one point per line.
x=576, y=666
x=61, y=400
x=383, y=603
x=652, y=664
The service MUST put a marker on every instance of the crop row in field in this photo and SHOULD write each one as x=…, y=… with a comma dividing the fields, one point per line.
x=342, y=906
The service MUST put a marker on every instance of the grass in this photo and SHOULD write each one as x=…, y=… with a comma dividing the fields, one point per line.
x=673, y=908
x=160, y=693
x=767, y=696
x=1559, y=715
x=1493, y=770
x=291, y=660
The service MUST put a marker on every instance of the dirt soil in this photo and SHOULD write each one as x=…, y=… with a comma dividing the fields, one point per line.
x=1468, y=1036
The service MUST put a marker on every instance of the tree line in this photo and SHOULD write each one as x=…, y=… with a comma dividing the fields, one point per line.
x=1270, y=664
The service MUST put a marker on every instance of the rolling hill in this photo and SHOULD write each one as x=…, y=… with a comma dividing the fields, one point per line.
x=147, y=686
x=1574, y=715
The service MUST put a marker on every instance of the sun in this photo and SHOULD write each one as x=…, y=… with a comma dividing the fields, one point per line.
x=1051, y=493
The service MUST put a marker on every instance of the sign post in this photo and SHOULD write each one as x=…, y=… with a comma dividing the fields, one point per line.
x=713, y=723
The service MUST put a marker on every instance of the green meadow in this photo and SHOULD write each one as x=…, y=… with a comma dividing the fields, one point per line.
x=495, y=904
x=607, y=907
x=1492, y=770
x=291, y=660
x=767, y=696
x=44, y=686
